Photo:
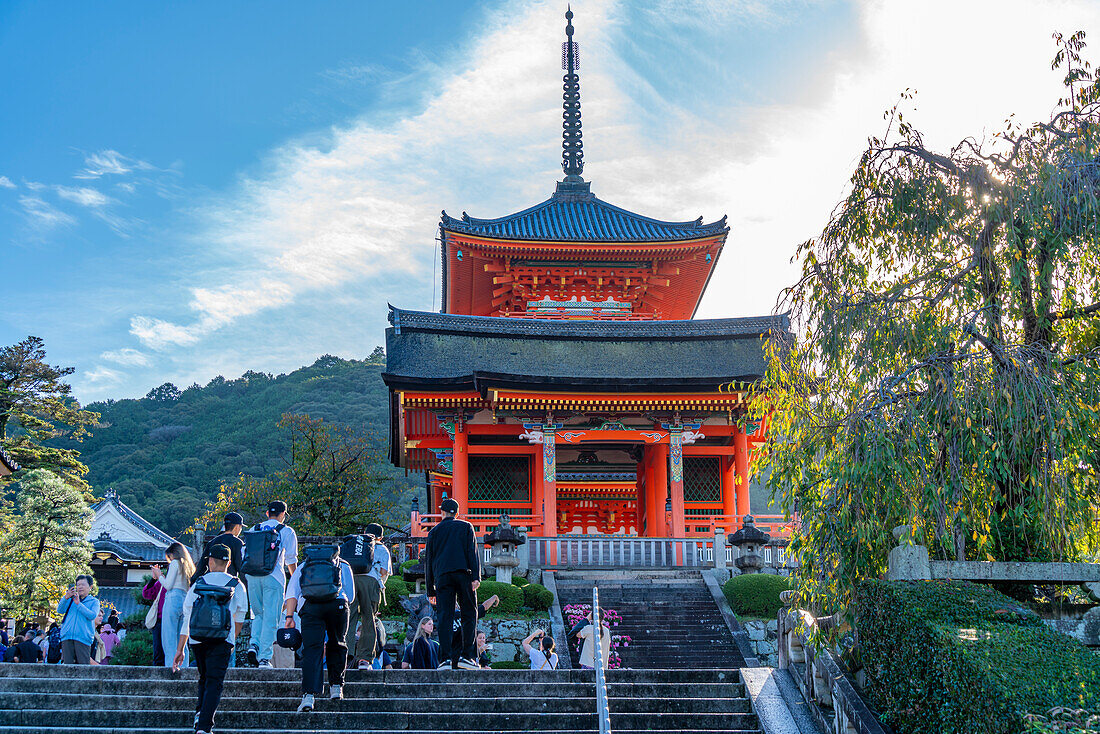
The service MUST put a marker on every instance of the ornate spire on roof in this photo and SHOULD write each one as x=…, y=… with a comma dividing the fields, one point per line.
x=572, y=155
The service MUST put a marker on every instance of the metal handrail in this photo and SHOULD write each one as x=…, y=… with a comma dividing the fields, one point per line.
x=603, y=716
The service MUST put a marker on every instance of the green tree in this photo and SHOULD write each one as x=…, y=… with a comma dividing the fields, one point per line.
x=944, y=375
x=335, y=479
x=36, y=407
x=43, y=544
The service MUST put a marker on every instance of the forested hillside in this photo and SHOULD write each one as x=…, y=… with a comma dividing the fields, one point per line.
x=167, y=453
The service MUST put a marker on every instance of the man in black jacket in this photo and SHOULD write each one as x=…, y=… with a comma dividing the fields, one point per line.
x=452, y=571
x=234, y=524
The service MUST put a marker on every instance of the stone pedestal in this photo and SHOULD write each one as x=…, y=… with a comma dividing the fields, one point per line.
x=908, y=562
x=750, y=541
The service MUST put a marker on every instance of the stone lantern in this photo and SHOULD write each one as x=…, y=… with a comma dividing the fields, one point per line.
x=502, y=556
x=415, y=574
x=750, y=542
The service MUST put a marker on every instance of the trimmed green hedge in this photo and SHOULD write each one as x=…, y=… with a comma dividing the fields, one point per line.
x=519, y=581
x=396, y=590
x=509, y=665
x=406, y=565
x=511, y=597
x=537, y=597
x=756, y=594
x=136, y=649
x=957, y=657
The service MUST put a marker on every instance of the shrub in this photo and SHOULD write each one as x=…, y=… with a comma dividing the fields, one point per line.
x=509, y=665
x=949, y=656
x=756, y=594
x=136, y=649
x=519, y=581
x=406, y=565
x=396, y=590
x=134, y=621
x=537, y=597
x=511, y=597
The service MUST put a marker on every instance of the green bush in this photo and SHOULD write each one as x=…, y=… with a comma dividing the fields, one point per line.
x=957, y=657
x=396, y=590
x=519, y=581
x=537, y=597
x=509, y=665
x=406, y=565
x=135, y=621
x=136, y=649
x=511, y=597
x=756, y=594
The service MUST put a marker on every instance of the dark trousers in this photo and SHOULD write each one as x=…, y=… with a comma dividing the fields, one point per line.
x=448, y=587
x=158, y=649
x=319, y=618
x=73, y=652
x=212, y=660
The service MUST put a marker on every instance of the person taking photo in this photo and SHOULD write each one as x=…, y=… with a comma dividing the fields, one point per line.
x=80, y=610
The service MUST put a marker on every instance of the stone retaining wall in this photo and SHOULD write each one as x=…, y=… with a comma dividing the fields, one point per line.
x=763, y=637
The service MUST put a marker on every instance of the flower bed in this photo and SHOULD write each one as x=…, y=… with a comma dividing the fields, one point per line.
x=574, y=613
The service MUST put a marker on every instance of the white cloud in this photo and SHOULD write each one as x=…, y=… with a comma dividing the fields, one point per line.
x=84, y=196
x=103, y=376
x=110, y=163
x=127, y=356
x=364, y=204
x=5, y=183
x=34, y=185
x=43, y=214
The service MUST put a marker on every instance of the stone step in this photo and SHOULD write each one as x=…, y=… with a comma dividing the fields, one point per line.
x=222, y=730
x=326, y=717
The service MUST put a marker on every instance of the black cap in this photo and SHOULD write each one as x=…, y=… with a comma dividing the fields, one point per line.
x=374, y=529
x=288, y=637
x=219, y=552
x=233, y=518
x=276, y=507
x=449, y=505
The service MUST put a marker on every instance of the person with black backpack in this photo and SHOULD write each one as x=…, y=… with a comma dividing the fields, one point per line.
x=213, y=613
x=230, y=538
x=267, y=548
x=370, y=561
x=321, y=591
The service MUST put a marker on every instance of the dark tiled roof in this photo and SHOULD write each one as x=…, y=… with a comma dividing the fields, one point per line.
x=581, y=218
x=130, y=551
x=135, y=519
x=447, y=349
x=6, y=460
x=121, y=598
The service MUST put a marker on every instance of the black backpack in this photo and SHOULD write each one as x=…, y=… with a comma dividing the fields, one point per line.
x=320, y=579
x=53, y=655
x=211, y=617
x=261, y=550
x=358, y=551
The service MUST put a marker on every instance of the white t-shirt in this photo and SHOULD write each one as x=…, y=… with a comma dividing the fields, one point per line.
x=588, y=649
x=238, y=604
x=539, y=661
x=380, y=562
x=288, y=549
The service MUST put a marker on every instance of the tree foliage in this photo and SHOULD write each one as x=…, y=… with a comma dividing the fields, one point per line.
x=168, y=454
x=42, y=547
x=36, y=408
x=945, y=373
x=335, y=479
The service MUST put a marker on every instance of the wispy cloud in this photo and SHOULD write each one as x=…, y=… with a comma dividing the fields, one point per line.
x=34, y=185
x=127, y=356
x=110, y=163
x=84, y=196
x=355, y=73
x=43, y=214
x=104, y=376
x=6, y=183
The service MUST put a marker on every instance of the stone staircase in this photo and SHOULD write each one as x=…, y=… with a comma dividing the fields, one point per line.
x=670, y=616
x=35, y=699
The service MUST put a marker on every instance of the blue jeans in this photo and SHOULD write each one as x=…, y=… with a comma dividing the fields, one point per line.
x=265, y=596
x=171, y=620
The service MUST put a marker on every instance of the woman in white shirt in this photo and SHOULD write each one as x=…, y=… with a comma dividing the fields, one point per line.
x=542, y=656
x=176, y=582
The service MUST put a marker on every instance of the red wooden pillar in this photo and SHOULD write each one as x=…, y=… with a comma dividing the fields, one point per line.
x=460, y=475
x=537, y=494
x=659, y=494
x=741, y=463
x=640, y=495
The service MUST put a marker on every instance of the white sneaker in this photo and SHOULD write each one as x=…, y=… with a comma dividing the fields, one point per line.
x=446, y=665
x=306, y=704
x=266, y=664
x=467, y=664
x=365, y=665
x=336, y=693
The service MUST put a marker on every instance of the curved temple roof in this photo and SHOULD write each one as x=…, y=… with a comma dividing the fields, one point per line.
x=582, y=217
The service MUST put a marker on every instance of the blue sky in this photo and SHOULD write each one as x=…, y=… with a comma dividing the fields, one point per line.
x=194, y=189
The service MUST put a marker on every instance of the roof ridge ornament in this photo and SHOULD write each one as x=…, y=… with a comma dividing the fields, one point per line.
x=572, y=153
